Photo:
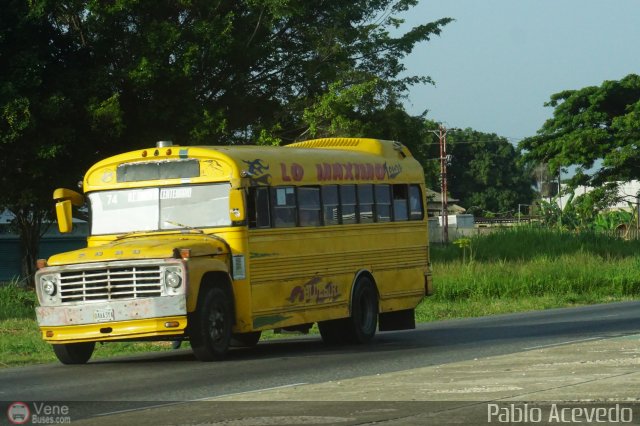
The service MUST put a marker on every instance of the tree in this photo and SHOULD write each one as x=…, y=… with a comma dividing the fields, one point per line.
x=82, y=80
x=235, y=71
x=43, y=118
x=593, y=125
x=485, y=173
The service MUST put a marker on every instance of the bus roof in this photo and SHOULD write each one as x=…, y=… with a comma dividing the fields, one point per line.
x=330, y=160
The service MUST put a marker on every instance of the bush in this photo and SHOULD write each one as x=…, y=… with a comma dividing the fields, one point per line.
x=16, y=301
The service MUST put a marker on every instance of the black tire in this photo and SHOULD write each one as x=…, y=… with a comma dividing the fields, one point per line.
x=361, y=326
x=364, y=311
x=74, y=353
x=210, y=328
x=245, y=340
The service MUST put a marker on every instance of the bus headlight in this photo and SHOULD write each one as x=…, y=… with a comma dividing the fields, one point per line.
x=172, y=278
x=48, y=285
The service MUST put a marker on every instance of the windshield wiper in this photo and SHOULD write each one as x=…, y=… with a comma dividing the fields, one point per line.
x=129, y=234
x=182, y=225
x=161, y=231
x=200, y=231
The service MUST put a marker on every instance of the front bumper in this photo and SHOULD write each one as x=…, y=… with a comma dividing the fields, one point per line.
x=117, y=330
x=126, y=319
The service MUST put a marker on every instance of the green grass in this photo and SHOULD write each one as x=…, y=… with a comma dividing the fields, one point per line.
x=516, y=270
x=16, y=301
x=527, y=243
x=522, y=269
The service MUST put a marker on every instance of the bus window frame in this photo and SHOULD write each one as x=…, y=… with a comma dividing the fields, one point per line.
x=338, y=205
x=300, y=210
x=356, y=216
x=273, y=192
x=252, y=207
x=420, y=201
x=405, y=188
x=377, y=204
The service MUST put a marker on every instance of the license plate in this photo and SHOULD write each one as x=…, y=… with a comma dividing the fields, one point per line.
x=100, y=315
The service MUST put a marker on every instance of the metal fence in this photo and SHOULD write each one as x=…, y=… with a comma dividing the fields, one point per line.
x=435, y=231
x=624, y=233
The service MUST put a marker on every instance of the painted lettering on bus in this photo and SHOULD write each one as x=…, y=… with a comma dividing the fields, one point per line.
x=357, y=171
x=342, y=171
x=314, y=291
x=295, y=172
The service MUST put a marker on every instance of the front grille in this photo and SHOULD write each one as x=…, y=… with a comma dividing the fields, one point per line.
x=111, y=283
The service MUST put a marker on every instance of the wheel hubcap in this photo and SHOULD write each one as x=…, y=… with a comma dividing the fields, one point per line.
x=216, y=324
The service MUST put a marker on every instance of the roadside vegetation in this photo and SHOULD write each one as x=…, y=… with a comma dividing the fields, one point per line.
x=528, y=268
x=511, y=270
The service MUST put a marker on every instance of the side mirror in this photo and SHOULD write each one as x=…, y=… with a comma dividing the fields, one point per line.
x=236, y=205
x=65, y=199
x=63, y=213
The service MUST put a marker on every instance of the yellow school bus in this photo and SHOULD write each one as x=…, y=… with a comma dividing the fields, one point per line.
x=214, y=244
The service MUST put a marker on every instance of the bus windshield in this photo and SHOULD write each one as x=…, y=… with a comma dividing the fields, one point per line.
x=155, y=209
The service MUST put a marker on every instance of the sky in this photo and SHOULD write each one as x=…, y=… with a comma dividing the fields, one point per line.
x=501, y=60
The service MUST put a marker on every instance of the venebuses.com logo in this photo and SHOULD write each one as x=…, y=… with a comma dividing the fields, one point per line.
x=18, y=413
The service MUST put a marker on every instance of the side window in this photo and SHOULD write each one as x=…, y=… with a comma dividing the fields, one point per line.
x=330, y=205
x=348, y=203
x=283, y=206
x=258, y=208
x=415, y=203
x=365, y=203
x=383, y=203
x=309, y=206
x=400, y=198
x=263, y=217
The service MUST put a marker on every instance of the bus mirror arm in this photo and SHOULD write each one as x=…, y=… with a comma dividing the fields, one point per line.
x=65, y=199
x=62, y=194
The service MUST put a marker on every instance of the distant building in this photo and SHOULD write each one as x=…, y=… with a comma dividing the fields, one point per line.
x=628, y=194
x=434, y=204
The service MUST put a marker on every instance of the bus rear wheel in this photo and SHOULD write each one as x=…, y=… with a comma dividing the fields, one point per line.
x=210, y=334
x=74, y=353
x=361, y=326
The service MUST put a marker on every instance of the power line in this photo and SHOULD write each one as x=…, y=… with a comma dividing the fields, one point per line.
x=455, y=142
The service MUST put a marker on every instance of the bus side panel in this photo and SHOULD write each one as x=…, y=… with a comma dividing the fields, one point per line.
x=295, y=277
x=306, y=275
x=400, y=274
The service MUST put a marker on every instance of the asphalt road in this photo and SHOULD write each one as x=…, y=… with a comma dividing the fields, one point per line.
x=159, y=378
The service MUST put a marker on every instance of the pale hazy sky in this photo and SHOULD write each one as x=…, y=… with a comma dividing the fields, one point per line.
x=499, y=62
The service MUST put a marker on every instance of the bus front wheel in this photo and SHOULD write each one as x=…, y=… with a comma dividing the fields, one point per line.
x=210, y=334
x=74, y=353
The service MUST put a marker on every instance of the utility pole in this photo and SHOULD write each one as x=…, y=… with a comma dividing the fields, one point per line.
x=441, y=133
x=442, y=136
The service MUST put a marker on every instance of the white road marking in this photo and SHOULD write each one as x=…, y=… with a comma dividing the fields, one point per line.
x=208, y=398
x=253, y=391
x=568, y=342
